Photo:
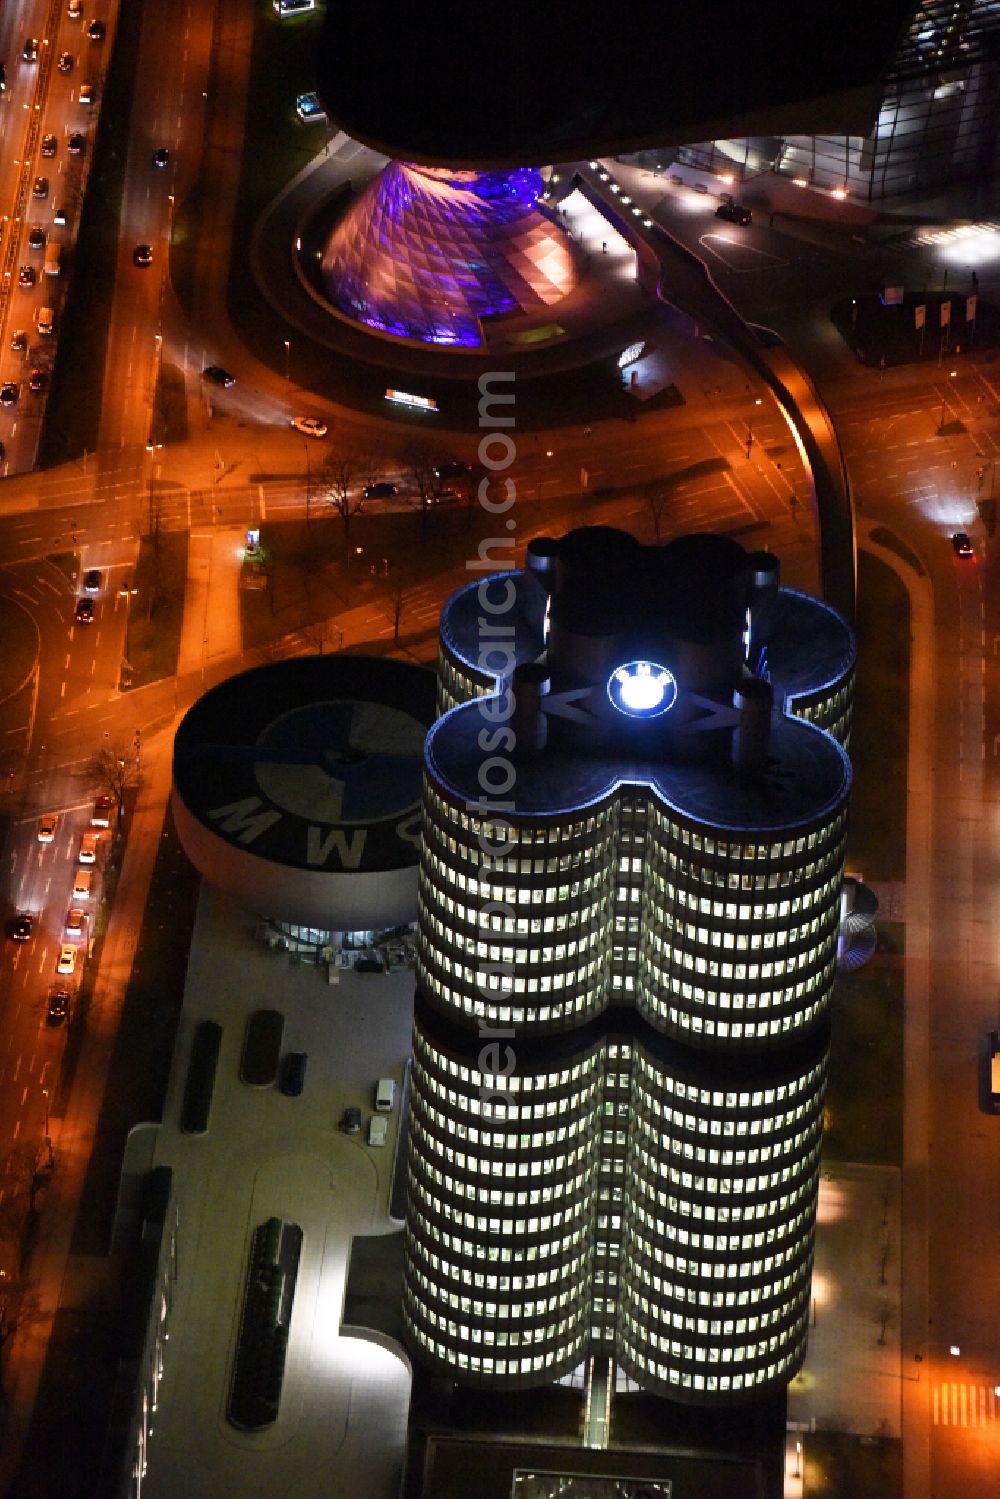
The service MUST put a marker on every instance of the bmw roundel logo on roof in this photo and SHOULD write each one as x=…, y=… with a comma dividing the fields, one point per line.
x=642, y=689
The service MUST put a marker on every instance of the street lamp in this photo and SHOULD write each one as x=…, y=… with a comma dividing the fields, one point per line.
x=288, y=358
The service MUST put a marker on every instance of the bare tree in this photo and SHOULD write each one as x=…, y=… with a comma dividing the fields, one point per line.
x=116, y=767
x=338, y=476
x=656, y=493
x=419, y=470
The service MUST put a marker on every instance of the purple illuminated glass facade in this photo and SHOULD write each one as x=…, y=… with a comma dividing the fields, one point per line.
x=425, y=253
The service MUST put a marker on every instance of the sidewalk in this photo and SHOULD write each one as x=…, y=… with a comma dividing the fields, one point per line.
x=211, y=627
x=851, y=1378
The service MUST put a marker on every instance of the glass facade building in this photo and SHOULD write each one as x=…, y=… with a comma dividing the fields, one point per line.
x=627, y=944
x=428, y=254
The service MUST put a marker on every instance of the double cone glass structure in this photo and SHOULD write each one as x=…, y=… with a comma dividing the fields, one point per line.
x=426, y=253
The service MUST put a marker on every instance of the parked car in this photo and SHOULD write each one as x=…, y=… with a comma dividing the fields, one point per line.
x=57, y=1008
x=292, y=1074
x=86, y=94
x=88, y=848
x=350, y=1121
x=378, y=1129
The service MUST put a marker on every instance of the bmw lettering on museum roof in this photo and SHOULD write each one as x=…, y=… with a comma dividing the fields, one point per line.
x=642, y=689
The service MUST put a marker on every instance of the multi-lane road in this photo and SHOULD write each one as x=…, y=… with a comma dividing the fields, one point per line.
x=55, y=73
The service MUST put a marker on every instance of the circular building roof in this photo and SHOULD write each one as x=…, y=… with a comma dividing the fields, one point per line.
x=297, y=788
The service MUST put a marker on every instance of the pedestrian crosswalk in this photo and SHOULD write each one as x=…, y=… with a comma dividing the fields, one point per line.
x=965, y=1405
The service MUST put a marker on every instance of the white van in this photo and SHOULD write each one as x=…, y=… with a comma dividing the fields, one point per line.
x=83, y=879
x=46, y=320
x=377, y=1130
x=52, y=265
x=385, y=1094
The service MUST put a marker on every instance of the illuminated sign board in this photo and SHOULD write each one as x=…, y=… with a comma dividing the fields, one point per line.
x=642, y=689
x=404, y=398
x=631, y=354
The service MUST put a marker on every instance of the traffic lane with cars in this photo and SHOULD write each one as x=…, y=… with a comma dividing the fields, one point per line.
x=41, y=229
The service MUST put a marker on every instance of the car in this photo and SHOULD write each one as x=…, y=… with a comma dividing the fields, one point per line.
x=385, y=1095
x=36, y=237
x=445, y=497
x=350, y=1121
x=103, y=806
x=451, y=470
x=21, y=926
x=26, y=276
x=311, y=426
x=74, y=9
x=18, y=341
x=84, y=612
x=216, y=375
x=292, y=1074
x=38, y=381
x=86, y=94
x=65, y=63
x=96, y=31
x=733, y=213
x=29, y=52
x=40, y=187
x=961, y=545
x=57, y=1008
x=76, y=923
x=309, y=109
x=126, y=587
x=377, y=1130
x=59, y=216
x=92, y=580
x=47, y=824
x=88, y=848
x=161, y=156
x=8, y=393
x=383, y=490
x=66, y=961
x=142, y=255
x=77, y=144
x=50, y=145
